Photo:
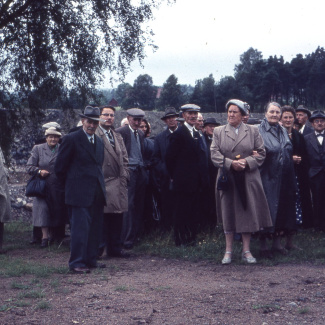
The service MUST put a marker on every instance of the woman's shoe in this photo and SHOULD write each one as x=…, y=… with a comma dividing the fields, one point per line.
x=45, y=243
x=249, y=259
x=226, y=260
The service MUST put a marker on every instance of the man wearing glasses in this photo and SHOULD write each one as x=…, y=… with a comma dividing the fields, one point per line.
x=133, y=139
x=116, y=175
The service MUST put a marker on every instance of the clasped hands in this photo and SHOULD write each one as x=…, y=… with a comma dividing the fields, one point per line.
x=239, y=164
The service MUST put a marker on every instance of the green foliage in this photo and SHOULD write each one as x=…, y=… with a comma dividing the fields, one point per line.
x=171, y=94
x=43, y=305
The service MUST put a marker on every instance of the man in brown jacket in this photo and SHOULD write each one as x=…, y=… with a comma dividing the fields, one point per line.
x=116, y=175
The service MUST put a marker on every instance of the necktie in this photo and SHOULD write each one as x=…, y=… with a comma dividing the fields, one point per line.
x=111, y=139
x=136, y=134
x=91, y=140
x=320, y=135
x=196, y=134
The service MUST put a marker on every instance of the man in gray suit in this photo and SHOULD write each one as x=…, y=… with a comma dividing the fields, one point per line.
x=79, y=166
x=133, y=139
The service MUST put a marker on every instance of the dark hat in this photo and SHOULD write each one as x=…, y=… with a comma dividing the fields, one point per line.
x=169, y=111
x=211, y=120
x=180, y=117
x=317, y=114
x=243, y=106
x=301, y=108
x=190, y=108
x=91, y=113
x=135, y=112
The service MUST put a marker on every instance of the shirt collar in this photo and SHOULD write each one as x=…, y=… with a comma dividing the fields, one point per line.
x=190, y=127
x=89, y=136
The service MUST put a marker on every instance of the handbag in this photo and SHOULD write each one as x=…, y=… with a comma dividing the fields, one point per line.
x=222, y=182
x=35, y=186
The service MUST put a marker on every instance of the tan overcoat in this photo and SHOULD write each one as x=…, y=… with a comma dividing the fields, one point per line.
x=229, y=207
x=116, y=173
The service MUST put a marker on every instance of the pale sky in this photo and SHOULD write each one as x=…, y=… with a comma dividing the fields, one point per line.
x=197, y=38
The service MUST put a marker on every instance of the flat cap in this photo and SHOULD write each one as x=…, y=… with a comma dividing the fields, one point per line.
x=211, y=120
x=243, y=106
x=301, y=108
x=190, y=108
x=317, y=114
x=135, y=112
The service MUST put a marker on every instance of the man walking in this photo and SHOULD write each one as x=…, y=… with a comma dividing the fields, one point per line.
x=79, y=166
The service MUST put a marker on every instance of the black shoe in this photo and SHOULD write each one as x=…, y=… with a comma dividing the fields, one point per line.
x=119, y=255
x=45, y=243
x=35, y=241
x=128, y=246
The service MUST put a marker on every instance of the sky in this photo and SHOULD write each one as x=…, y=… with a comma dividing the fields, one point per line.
x=203, y=37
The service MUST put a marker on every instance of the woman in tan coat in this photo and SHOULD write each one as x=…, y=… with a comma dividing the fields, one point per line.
x=242, y=207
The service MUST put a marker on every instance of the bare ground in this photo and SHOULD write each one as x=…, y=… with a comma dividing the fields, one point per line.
x=146, y=290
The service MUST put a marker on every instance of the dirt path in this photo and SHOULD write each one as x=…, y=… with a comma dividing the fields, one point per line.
x=145, y=290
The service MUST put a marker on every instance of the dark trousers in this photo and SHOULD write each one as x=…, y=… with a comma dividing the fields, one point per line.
x=167, y=203
x=86, y=227
x=133, y=219
x=112, y=228
x=317, y=186
x=186, y=217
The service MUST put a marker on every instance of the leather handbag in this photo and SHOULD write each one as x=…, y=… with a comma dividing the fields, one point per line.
x=35, y=186
x=222, y=182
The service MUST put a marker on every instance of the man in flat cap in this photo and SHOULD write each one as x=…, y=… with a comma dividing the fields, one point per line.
x=161, y=176
x=79, y=166
x=187, y=165
x=302, y=116
x=315, y=146
x=116, y=174
x=133, y=139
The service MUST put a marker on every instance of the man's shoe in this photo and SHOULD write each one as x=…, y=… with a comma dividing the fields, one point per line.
x=120, y=255
x=80, y=270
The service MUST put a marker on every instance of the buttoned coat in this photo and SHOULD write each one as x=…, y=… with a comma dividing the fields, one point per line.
x=116, y=173
x=80, y=168
x=316, y=157
x=5, y=204
x=226, y=143
x=42, y=158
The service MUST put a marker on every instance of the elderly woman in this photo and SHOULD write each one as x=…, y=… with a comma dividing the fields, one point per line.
x=49, y=211
x=278, y=179
x=304, y=216
x=238, y=148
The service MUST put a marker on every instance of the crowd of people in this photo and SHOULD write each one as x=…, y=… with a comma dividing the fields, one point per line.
x=113, y=184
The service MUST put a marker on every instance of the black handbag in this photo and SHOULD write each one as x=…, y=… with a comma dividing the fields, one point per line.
x=35, y=186
x=222, y=182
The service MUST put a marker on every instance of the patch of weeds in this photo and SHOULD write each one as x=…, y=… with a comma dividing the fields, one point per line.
x=43, y=305
x=35, y=281
x=54, y=283
x=33, y=294
x=22, y=303
x=19, y=286
x=303, y=311
x=121, y=288
x=267, y=308
x=162, y=288
x=3, y=307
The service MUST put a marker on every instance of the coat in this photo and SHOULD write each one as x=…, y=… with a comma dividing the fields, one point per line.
x=49, y=211
x=186, y=161
x=227, y=144
x=5, y=204
x=116, y=173
x=79, y=167
x=278, y=176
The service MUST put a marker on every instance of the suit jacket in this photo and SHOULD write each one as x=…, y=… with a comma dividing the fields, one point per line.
x=213, y=170
x=116, y=173
x=316, y=156
x=126, y=135
x=186, y=161
x=79, y=166
x=307, y=130
x=161, y=176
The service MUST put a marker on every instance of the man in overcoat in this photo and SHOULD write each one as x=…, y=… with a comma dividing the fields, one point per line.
x=315, y=146
x=116, y=175
x=187, y=165
x=134, y=142
x=302, y=116
x=79, y=166
x=161, y=176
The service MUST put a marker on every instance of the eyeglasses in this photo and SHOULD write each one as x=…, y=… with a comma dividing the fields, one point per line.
x=111, y=115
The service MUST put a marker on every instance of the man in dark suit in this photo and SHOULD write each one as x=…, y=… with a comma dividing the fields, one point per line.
x=161, y=176
x=133, y=139
x=302, y=116
x=187, y=165
x=116, y=174
x=315, y=146
x=79, y=166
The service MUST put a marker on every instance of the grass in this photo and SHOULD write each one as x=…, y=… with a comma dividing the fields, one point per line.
x=33, y=294
x=121, y=288
x=303, y=311
x=43, y=305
